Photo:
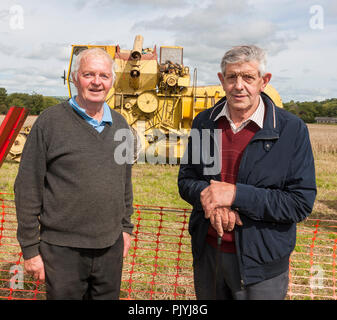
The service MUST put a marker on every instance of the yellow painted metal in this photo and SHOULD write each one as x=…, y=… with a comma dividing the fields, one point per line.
x=147, y=80
x=155, y=96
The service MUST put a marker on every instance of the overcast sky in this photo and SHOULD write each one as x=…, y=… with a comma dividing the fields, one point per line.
x=299, y=36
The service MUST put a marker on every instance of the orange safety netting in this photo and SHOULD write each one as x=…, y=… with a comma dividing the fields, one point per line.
x=159, y=264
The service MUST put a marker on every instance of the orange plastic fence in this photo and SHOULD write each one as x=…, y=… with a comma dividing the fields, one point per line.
x=159, y=264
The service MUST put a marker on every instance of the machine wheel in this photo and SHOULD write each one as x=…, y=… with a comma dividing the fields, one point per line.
x=17, y=147
x=147, y=102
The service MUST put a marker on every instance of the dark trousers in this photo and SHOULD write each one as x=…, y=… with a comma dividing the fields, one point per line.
x=76, y=273
x=217, y=277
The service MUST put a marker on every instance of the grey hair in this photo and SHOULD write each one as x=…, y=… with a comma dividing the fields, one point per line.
x=245, y=53
x=96, y=52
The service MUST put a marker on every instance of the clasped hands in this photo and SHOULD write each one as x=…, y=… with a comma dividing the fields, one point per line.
x=216, y=201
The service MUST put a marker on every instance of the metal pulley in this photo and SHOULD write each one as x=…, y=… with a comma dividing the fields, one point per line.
x=171, y=80
x=147, y=102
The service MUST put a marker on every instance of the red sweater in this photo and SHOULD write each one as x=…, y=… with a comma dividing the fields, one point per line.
x=233, y=146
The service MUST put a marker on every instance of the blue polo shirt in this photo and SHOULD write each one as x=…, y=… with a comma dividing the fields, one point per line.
x=99, y=126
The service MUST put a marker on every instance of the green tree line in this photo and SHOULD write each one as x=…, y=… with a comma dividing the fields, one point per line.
x=36, y=103
x=307, y=111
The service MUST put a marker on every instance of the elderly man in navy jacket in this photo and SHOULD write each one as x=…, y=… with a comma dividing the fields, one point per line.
x=249, y=173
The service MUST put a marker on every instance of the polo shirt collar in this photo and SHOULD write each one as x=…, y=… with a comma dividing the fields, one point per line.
x=106, y=111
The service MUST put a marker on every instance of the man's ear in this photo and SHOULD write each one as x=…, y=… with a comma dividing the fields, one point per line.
x=266, y=78
x=73, y=78
x=221, y=78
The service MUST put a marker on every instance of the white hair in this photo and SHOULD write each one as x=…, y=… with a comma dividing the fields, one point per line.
x=96, y=52
x=245, y=53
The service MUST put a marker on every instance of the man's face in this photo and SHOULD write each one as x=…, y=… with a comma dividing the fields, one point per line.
x=243, y=85
x=94, y=79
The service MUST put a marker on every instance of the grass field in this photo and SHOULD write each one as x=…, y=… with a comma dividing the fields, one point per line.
x=157, y=185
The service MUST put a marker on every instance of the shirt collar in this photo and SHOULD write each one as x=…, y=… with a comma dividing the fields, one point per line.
x=106, y=111
x=257, y=116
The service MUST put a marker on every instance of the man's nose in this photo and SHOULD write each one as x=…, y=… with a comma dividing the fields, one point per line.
x=239, y=83
x=96, y=80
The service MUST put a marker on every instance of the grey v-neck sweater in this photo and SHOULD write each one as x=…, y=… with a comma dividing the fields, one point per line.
x=69, y=191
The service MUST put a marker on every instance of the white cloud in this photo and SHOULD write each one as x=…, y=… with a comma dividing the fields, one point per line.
x=301, y=59
x=6, y=49
x=206, y=33
x=45, y=51
x=133, y=3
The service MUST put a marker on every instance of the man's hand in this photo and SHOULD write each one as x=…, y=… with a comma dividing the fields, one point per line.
x=229, y=218
x=217, y=223
x=35, y=267
x=127, y=243
x=224, y=219
x=217, y=194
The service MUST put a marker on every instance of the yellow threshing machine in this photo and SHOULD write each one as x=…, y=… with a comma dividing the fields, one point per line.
x=156, y=95
x=154, y=92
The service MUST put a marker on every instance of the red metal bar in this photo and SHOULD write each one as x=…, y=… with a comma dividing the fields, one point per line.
x=10, y=128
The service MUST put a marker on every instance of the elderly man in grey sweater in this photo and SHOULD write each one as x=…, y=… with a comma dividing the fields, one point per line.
x=73, y=199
